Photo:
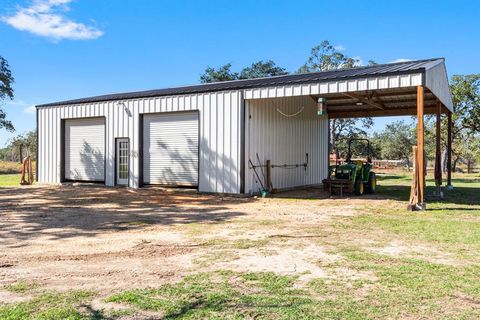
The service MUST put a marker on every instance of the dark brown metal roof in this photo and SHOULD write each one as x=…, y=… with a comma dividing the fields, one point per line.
x=367, y=71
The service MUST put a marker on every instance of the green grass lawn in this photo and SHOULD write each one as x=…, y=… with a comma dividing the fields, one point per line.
x=363, y=284
x=9, y=180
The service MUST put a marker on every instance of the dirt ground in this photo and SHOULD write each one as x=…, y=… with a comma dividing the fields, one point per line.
x=109, y=240
x=105, y=239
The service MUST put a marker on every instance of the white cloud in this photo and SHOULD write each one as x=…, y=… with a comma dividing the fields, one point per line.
x=339, y=48
x=400, y=60
x=30, y=110
x=45, y=18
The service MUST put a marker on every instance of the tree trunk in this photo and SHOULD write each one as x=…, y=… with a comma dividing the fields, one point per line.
x=454, y=164
x=333, y=142
x=20, y=153
x=332, y=135
x=469, y=166
x=408, y=163
x=444, y=161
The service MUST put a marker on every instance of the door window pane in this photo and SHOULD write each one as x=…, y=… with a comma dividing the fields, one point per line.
x=123, y=160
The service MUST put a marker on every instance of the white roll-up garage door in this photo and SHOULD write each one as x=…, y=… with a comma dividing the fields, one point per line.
x=170, y=152
x=85, y=149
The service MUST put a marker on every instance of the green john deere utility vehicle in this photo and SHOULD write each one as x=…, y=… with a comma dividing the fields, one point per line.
x=352, y=175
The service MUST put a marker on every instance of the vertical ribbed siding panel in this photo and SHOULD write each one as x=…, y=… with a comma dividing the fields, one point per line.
x=197, y=102
x=219, y=170
x=226, y=142
x=134, y=150
x=51, y=162
x=56, y=133
x=40, y=148
x=286, y=140
x=44, y=142
x=109, y=112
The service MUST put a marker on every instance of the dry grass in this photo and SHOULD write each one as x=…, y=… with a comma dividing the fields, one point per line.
x=8, y=167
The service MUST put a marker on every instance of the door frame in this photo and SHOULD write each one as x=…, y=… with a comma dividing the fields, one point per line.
x=117, y=140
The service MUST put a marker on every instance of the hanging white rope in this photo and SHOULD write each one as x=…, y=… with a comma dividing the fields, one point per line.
x=290, y=115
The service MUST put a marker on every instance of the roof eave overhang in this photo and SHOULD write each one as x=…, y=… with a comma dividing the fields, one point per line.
x=433, y=77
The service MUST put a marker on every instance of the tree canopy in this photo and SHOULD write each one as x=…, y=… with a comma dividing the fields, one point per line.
x=258, y=69
x=466, y=101
x=465, y=91
x=6, y=91
x=325, y=56
x=19, y=146
x=395, y=141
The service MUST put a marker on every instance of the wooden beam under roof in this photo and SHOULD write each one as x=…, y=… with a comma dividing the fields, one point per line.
x=355, y=113
x=366, y=100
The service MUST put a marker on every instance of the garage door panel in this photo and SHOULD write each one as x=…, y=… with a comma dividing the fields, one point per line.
x=171, y=149
x=85, y=149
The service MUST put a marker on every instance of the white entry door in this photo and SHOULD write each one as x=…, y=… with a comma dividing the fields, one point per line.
x=123, y=155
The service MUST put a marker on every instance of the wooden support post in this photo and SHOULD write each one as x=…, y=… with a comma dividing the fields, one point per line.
x=413, y=202
x=420, y=144
x=268, y=177
x=438, y=152
x=449, y=150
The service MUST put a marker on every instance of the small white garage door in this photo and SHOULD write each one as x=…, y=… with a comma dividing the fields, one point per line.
x=85, y=149
x=170, y=152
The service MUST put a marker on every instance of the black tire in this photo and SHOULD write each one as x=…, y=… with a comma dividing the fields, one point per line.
x=371, y=186
x=359, y=188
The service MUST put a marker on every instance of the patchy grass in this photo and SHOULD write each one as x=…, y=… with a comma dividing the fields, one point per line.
x=403, y=287
x=225, y=295
x=22, y=286
x=414, y=287
x=52, y=305
x=452, y=224
x=9, y=180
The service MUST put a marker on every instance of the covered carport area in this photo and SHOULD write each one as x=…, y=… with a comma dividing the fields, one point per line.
x=415, y=88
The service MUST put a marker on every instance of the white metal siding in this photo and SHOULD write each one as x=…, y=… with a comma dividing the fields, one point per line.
x=220, y=116
x=170, y=155
x=85, y=149
x=286, y=140
x=361, y=84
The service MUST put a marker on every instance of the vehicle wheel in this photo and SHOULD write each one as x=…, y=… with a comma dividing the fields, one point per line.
x=371, y=186
x=359, y=189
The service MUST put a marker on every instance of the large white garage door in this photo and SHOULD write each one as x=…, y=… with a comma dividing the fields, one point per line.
x=170, y=154
x=85, y=149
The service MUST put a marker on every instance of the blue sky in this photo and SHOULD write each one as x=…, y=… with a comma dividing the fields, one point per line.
x=62, y=49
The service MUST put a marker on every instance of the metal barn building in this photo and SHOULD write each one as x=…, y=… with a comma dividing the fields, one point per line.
x=207, y=136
